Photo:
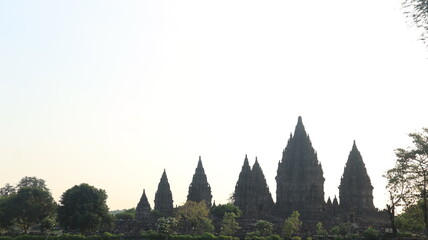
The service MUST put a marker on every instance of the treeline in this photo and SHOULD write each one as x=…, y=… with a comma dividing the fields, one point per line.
x=30, y=204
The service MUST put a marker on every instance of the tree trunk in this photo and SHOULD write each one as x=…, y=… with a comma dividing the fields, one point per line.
x=391, y=213
x=424, y=207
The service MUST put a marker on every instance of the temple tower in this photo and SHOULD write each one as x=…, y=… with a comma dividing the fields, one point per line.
x=142, y=212
x=163, y=197
x=355, y=190
x=252, y=193
x=199, y=189
x=300, y=181
x=243, y=189
x=263, y=202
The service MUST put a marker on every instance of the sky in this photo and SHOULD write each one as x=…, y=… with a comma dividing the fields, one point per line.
x=111, y=93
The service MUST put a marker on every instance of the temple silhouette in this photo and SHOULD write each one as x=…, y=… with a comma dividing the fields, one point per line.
x=299, y=187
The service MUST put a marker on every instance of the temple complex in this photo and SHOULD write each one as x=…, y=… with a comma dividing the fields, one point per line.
x=300, y=187
x=199, y=189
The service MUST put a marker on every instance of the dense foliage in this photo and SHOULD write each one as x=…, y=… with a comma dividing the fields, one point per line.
x=408, y=180
x=83, y=208
x=193, y=217
x=417, y=11
x=291, y=225
x=27, y=204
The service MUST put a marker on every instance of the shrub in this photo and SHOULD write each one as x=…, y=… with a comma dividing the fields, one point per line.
x=371, y=234
x=207, y=236
x=273, y=237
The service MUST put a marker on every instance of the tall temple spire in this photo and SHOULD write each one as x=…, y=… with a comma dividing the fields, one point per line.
x=142, y=212
x=262, y=204
x=300, y=181
x=199, y=189
x=163, y=197
x=241, y=195
x=356, y=190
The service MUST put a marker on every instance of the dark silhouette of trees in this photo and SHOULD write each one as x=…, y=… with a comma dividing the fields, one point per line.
x=83, y=208
x=193, y=218
x=33, y=182
x=417, y=11
x=27, y=204
x=411, y=170
x=31, y=205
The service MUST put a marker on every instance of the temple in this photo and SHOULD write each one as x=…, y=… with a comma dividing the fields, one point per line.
x=299, y=179
x=299, y=187
x=142, y=212
x=199, y=189
x=163, y=197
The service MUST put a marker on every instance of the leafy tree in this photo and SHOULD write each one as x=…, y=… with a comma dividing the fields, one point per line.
x=83, y=208
x=193, y=217
x=291, y=225
x=30, y=206
x=6, y=218
x=32, y=182
x=47, y=224
x=398, y=188
x=371, y=234
x=413, y=164
x=320, y=230
x=220, y=210
x=229, y=225
x=343, y=229
x=127, y=215
x=7, y=190
x=335, y=230
x=411, y=220
x=166, y=225
x=265, y=228
x=417, y=11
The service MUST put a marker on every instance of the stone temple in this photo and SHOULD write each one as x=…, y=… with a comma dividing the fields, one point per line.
x=299, y=187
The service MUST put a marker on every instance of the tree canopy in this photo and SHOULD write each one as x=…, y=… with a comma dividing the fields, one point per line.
x=408, y=180
x=31, y=205
x=193, y=217
x=83, y=208
x=32, y=182
x=417, y=11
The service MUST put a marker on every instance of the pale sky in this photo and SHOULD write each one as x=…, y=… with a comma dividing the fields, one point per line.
x=110, y=93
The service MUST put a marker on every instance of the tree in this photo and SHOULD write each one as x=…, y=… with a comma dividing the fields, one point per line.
x=83, y=208
x=127, y=215
x=412, y=163
x=265, y=228
x=220, y=210
x=6, y=218
x=166, y=225
x=7, y=190
x=292, y=225
x=320, y=230
x=411, y=219
x=33, y=182
x=30, y=206
x=193, y=217
x=397, y=188
x=229, y=225
x=417, y=11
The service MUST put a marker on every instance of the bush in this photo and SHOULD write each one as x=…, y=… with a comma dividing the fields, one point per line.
x=273, y=237
x=71, y=237
x=371, y=234
x=296, y=238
